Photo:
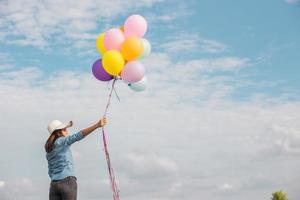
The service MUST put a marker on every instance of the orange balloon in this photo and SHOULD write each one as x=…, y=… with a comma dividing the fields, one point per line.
x=131, y=48
x=122, y=28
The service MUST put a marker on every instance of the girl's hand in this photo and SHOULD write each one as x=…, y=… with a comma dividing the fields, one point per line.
x=102, y=122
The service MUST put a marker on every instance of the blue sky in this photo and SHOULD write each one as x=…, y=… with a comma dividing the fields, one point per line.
x=265, y=32
x=223, y=97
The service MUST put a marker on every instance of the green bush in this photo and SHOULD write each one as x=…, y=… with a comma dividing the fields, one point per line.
x=279, y=195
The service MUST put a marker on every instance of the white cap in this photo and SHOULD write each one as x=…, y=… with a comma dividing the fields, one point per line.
x=56, y=124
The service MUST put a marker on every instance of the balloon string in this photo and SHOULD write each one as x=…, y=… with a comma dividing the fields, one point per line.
x=109, y=97
x=117, y=94
x=110, y=169
x=113, y=183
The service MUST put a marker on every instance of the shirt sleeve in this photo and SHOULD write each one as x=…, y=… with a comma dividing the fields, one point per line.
x=70, y=139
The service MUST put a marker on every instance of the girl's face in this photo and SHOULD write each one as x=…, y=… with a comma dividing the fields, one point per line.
x=64, y=132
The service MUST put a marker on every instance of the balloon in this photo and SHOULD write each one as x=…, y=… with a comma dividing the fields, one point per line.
x=135, y=25
x=131, y=48
x=113, y=62
x=99, y=43
x=113, y=39
x=99, y=72
x=121, y=28
x=140, y=85
x=133, y=71
x=146, y=48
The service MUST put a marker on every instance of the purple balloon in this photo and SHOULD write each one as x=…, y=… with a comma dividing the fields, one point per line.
x=99, y=72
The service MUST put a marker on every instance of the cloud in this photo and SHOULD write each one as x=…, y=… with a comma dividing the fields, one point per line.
x=25, y=74
x=168, y=14
x=211, y=65
x=289, y=144
x=44, y=23
x=225, y=186
x=204, y=78
x=6, y=61
x=216, y=74
x=226, y=189
x=2, y=184
x=182, y=137
x=22, y=188
x=149, y=166
x=187, y=42
x=160, y=147
x=291, y=1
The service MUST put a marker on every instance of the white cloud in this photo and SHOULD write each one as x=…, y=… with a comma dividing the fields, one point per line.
x=177, y=139
x=22, y=188
x=200, y=76
x=149, y=165
x=197, y=71
x=161, y=152
x=41, y=23
x=2, y=184
x=6, y=61
x=288, y=138
x=25, y=74
x=169, y=14
x=5, y=66
x=225, y=186
x=212, y=65
x=187, y=42
x=291, y=1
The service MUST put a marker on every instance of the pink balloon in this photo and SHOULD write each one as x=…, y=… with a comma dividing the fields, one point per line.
x=113, y=39
x=133, y=71
x=135, y=25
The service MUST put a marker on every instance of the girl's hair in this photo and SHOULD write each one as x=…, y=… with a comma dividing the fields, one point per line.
x=50, y=142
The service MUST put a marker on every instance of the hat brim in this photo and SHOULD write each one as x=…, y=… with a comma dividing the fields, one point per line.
x=64, y=125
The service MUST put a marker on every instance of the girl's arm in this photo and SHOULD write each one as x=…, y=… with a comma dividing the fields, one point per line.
x=102, y=122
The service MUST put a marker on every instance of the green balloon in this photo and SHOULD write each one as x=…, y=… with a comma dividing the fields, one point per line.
x=140, y=85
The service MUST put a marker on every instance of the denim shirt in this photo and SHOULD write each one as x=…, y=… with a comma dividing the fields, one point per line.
x=60, y=160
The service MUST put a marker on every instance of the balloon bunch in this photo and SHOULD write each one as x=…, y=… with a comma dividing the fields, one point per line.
x=122, y=49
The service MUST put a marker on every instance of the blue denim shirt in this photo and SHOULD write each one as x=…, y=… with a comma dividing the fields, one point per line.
x=60, y=160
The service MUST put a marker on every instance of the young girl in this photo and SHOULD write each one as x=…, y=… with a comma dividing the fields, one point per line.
x=63, y=184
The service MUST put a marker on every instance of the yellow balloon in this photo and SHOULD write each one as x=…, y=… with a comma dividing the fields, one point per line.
x=132, y=48
x=113, y=62
x=100, y=44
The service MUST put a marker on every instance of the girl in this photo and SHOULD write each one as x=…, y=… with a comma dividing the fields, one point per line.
x=63, y=184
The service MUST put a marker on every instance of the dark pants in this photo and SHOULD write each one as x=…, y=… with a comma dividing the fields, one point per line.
x=65, y=189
